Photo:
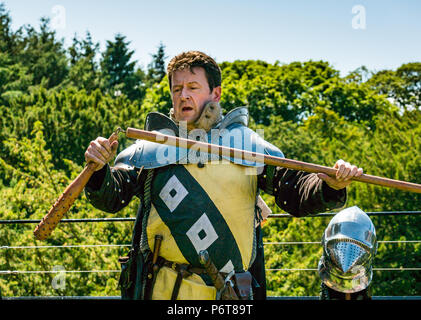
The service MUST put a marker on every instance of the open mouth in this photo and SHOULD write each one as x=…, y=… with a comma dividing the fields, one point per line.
x=186, y=109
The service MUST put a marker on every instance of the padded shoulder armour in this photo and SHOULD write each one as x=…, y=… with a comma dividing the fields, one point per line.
x=231, y=131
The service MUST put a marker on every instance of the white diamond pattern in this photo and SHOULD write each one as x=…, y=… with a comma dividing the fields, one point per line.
x=173, y=193
x=202, y=234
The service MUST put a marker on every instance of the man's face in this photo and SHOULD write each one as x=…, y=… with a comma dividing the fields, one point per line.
x=190, y=93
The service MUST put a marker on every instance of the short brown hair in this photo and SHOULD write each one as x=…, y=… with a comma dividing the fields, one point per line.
x=192, y=59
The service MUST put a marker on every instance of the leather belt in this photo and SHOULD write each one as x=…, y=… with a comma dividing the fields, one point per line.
x=183, y=271
x=186, y=270
x=182, y=266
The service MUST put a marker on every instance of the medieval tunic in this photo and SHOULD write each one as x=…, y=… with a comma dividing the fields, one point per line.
x=212, y=207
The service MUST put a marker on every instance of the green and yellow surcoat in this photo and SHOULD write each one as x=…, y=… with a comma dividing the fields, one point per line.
x=210, y=207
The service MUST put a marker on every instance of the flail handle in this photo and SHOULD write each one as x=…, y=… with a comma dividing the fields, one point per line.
x=66, y=200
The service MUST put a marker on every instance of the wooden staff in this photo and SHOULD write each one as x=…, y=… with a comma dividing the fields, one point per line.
x=263, y=158
x=65, y=201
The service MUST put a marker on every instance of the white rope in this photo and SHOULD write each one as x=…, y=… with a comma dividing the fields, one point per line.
x=118, y=271
x=304, y=269
x=128, y=245
x=396, y=269
x=374, y=269
x=400, y=241
x=66, y=246
x=56, y=271
x=319, y=242
x=293, y=242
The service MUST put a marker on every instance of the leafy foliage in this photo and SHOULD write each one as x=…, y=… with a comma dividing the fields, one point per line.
x=156, y=69
x=118, y=71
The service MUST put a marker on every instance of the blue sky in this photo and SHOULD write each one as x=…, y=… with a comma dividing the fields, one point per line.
x=378, y=34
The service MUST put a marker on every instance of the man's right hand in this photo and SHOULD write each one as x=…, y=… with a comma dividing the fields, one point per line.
x=101, y=151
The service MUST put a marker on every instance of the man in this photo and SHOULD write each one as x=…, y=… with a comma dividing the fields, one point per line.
x=199, y=205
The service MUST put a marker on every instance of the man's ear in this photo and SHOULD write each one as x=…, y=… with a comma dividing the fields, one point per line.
x=216, y=94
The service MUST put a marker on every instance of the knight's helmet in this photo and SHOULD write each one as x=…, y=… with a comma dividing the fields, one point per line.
x=349, y=245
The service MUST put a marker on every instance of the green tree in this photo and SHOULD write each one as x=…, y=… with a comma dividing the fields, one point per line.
x=84, y=70
x=293, y=91
x=8, y=38
x=118, y=71
x=402, y=86
x=158, y=98
x=14, y=76
x=44, y=55
x=71, y=119
x=156, y=69
x=84, y=48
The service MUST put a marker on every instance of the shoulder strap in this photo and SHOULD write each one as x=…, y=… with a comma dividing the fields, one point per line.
x=138, y=240
x=144, y=246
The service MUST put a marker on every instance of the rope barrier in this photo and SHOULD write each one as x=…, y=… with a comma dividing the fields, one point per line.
x=55, y=271
x=319, y=242
x=8, y=272
x=28, y=221
x=128, y=245
x=330, y=214
x=132, y=219
x=374, y=269
x=66, y=246
x=24, y=221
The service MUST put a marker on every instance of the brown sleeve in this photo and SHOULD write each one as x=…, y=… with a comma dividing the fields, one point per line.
x=300, y=193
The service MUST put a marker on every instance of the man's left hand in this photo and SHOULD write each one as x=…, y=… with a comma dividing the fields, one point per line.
x=345, y=173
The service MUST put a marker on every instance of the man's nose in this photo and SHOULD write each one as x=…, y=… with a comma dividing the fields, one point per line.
x=184, y=94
